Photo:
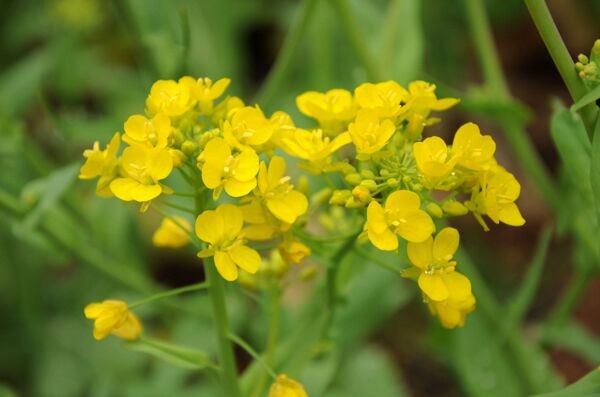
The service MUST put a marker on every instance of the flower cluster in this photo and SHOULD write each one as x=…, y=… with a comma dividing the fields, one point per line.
x=370, y=141
x=588, y=68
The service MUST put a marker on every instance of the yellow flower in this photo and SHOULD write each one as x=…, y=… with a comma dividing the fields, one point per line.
x=248, y=127
x=225, y=108
x=277, y=193
x=223, y=170
x=286, y=387
x=170, y=233
x=473, y=150
x=101, y=163
x=453, y=311
x=222, y=230
x=332, y=109
x=369, y=134
x=143, y=168
x=314, y=147
x=432, y=261
x=401, y=216
x=113, y=317
x=386, y=97
x=499, y=190
x=293, y=251
x=432, y=158
x=169, y=97
x=155, y=131
x=205, y=92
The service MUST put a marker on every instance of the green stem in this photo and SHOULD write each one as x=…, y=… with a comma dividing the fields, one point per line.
x=378, y=261
x=287, y=53
x=166, y=294
x=560, y=55
x=484, y=42
x=570, y=298
x=229, y=374
x=357, y=39
x=244, y=345
x=178, y=207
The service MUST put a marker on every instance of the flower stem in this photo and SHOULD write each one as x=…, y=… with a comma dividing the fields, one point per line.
x=229, y=375
x=287, y=53
x=244, y=345
x=538, y=9
x=166, y=294
x=357, y=39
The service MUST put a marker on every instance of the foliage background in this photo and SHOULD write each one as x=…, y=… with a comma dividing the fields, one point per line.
x=71, y=71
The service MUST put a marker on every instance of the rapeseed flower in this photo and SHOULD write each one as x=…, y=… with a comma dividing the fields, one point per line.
x=142, y=170
x=222, y=230
x=173, y=233
x=286, y=387
x=221, y=169
x=333, y=109
x=453, y=311
x=433, y=158
x=154, y=132
x=204, y=91
x=385, y=98
x=169, y=97
x=369, y=133
x=113, y=317
x=101, y=163
x=314, y=147
x=473, y=150
x=248, y=127
x=292, y=250
x=402, y=217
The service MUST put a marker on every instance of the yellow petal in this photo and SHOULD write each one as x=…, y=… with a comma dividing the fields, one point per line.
x=459, y=286
x=247, y=165
x=420, y=254
x=209, y=226
x=376, y=221
x=232, y=219
x=418, y=226
x=386, y=241
x=143, y=193
x=225, y=266
x=276, y=170
x=403, y=199
x=246, y=258
x=510, y=215
x=219, y=87
x=445, y=244
x=281, y=210
x=136, y=127
x=122, y=188
x=433, y=286
x=236, y=188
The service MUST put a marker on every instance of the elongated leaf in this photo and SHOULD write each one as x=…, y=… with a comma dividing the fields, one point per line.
x=595, y=168
x=574, y=147
x=521, y=301
x=588, y=386
x=576, y=339
x=588, y=98
x=47, y=192
x=180, y=356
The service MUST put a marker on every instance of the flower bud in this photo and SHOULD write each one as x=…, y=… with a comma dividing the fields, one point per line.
x=392, y=182
x=308, y=273
x=178, y=157
x=583, y=59
x=370, y=184
x=339, y=197
x=303, y=185
x=361, y=194
x=189, y=147
x=384, y=172
x=367, y=174
x=321, y=196
x=434, y=210
x=178, y=137
x=454, y=208
x=353, y=179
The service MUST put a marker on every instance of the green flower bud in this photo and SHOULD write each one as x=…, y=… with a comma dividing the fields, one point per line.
x=392, y=182
x=178, y=137
x=361, y=194
x=434, y=210
x=367, y=174
x=583, y=59
x=353, y=179
x=188, y=147
x=370, y=184
x=454, y=208
x=384, y=172
x=339, y=197
x=321, y=196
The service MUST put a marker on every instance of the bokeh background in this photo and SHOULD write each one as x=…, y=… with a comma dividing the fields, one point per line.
x=71, y=72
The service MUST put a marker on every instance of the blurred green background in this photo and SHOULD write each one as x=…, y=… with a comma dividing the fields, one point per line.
x=71, y=72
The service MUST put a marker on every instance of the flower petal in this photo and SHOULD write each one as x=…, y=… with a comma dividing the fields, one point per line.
x=420, y=254
x=246, y=258
x=433, y=286
x=403, y=199
x=446, y=244
x=225, y=266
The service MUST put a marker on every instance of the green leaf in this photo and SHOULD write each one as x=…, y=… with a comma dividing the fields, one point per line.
x=180, y=356
x=595, y=168
x=587, y=99
x=575, y=338
x=588, y=386
x=47, y=192
x=521, y=301
x=574, y=147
